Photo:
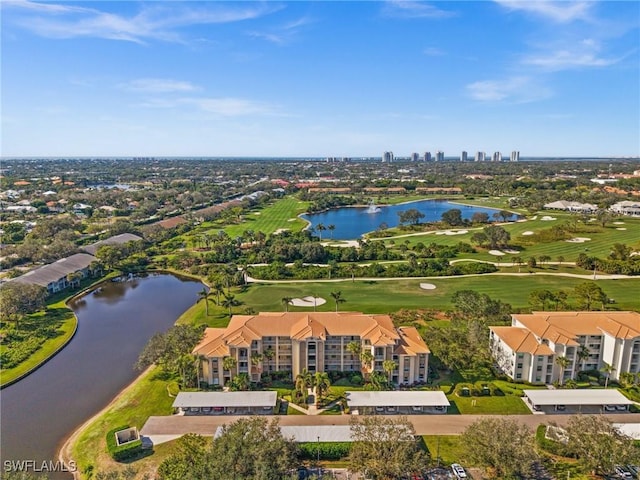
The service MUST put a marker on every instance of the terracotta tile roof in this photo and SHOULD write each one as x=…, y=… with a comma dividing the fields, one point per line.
x=242, y=329
x=521, y=340
x=564, y=327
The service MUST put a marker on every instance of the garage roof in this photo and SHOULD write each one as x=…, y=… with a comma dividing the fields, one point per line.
x=605, y=396
x=225, y=399
x=397, y=399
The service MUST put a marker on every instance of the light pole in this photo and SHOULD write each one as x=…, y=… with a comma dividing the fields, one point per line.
x=318, y=460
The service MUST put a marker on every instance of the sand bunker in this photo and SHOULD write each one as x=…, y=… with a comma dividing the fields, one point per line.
x=547, y=218
x=527, y=233
x=578, y=240
x=621, y=228
x=535, y=217
x=633, y=254
x=292, y=220
x=452, y=232
x=618, y=223
x=308, y=301
x=427, y=286
x=512, y=252
x=497, y=253
x=257, y=213
x=280, y=230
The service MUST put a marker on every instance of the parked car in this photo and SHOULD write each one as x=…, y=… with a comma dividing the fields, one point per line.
x=610, y=408
x=458, y=471
x=621, y=408
x=561, y=407
x=623, y=472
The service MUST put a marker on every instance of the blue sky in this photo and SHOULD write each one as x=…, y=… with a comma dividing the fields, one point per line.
x=320, y=78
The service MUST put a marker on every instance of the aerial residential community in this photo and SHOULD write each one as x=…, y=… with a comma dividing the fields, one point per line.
x=393, y=240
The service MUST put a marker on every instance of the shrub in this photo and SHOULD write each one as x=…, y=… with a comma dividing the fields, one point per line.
x=122, y=452
x=328, y=450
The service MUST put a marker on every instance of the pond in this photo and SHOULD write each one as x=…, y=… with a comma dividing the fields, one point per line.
x=114, y=324
x=353, y=222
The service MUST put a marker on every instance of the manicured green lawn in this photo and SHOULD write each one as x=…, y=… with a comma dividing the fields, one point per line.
x=385, y=296
x=493, y=405
x=146, y=398
x=599, y=244
x=450, y=448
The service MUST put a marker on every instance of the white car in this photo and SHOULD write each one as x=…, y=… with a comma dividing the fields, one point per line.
x=458, y=471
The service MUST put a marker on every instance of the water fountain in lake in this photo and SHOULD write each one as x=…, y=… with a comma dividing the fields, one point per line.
x=372, y=208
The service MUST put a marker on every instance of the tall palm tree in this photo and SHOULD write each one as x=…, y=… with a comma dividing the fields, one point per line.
x=563, y=363
x=353, y=268
x=389, y=366
x=204, y=295
x=269, y=353
x=322, y=383
x=366, y=357
x=230, y=301
x=607, y=370
x=256, y=361
x=331, y=227
x=582, y=353
x=518, y=260
x=228, y=364
x=286, y=301
x=304, y=381
x=320, y=228
x=337, y=297
x=355, y=348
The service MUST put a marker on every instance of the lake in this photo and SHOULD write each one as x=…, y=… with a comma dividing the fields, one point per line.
x=352, y=222
x=114, y=324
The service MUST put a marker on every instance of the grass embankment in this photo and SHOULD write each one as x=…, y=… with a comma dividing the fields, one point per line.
x=57, y=326
x=147, y=396
x=386, y=296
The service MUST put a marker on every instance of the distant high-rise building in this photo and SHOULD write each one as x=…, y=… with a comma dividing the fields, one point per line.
x=480, y=157
x=515, y=156
x=387, y=157
x=439, y=156
x=427, y=156
x=497, y=157
x=415, y=156
x=463, y=156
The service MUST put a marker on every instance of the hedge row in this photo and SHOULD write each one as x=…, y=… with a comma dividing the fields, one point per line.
x=122, y=452
x=328, y=450
x=477, y=389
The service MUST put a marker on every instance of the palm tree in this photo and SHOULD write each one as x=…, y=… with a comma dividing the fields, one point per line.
x=256, y=361
x=355, y=348
x=244, y=271
x=228, y=364
x=269, y=353
x=331, y=227
x=389, y=366
x=582, y=353
x=320, y=228
x=378, y=381
x=563, y=363
x=607, y=370
x=322, y=383
x=230, y=301
x=304, y=381
x=337, y=297
x=204, y=295
x=518, y=260
x=366, y=357
x=352, y=270
x=560, y=260
x=286, y=301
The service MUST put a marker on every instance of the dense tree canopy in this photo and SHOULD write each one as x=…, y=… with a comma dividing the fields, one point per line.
x=501, y=444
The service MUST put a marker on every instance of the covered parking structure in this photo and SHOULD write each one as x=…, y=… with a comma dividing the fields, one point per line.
x=577, y=400
x=225, y=403
x=405, y=402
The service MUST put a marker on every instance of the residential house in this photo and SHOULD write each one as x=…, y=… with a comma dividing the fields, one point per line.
x=626, y=207
x=54, y=275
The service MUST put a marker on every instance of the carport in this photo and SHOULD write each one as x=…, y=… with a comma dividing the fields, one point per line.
x=225, y=403
x=405, y=402
x=580, y=400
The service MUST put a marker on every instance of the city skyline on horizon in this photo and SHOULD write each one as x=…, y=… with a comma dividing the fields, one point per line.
x=321, y=79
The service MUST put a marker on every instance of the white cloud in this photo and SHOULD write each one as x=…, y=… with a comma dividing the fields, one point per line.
x=160, y=21
x=283, y=34
x=413, y=9
x=433, y=52
x=562, y=11
x=585, y=53
x=158, y=85
x=223, y=106
x=512, y=90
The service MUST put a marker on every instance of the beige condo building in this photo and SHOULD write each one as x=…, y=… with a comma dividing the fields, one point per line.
x=316, y=342
x=529, y=348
